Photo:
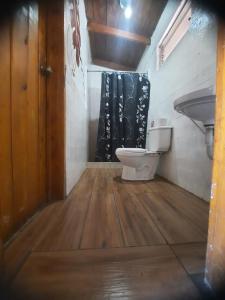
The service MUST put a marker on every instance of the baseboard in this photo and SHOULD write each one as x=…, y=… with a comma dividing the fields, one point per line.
x=104, y=165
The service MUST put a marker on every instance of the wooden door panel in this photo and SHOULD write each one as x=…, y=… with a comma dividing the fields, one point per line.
x=42, y=105
x=28, y=113
x=5, y=133
x=32, y=113
x=19, y=68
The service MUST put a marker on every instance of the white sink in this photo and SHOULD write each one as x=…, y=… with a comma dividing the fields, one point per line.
x=198, y=105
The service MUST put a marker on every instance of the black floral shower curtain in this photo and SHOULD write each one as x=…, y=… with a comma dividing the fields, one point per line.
x=123, y=114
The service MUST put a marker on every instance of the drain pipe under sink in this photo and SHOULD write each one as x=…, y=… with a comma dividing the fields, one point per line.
x=209, y=137
x=209, y=140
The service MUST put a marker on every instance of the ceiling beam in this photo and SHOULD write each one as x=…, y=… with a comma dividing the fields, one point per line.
x=111, y=65
x=107, y=30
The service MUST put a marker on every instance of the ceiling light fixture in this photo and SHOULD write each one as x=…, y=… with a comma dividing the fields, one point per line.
x=126, y=6
x=128, y=12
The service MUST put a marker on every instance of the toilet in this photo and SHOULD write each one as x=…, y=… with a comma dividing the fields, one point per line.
x=141, y=164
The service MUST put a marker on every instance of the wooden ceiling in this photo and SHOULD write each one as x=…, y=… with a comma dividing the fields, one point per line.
x=117, y=42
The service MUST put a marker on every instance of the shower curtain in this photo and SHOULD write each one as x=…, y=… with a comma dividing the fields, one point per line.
x=123, y=114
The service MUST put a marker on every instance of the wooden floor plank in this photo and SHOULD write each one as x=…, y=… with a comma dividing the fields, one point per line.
x=192, y=257
x=137, y=225
x=189, y=205
x=192, y=199
x=174, y=226
x=125, y=273
x=19, y=249
x=102, y=228
x=65, y=232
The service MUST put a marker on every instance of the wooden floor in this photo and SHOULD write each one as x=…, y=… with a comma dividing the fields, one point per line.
x=112, y=239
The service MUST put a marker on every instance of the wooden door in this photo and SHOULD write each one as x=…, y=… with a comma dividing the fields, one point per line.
x=5, y=131
x=22, y=116
x=215, y=262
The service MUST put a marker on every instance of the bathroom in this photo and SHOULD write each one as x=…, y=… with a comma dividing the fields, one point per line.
x=131, y=177
x=190, y=67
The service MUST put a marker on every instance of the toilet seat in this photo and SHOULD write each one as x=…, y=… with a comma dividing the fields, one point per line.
x=135, y=152
x=130, y=151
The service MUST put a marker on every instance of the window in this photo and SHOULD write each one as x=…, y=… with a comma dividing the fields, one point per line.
x=175, y=31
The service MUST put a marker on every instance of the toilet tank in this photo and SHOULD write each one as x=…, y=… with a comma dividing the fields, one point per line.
x=159, y=138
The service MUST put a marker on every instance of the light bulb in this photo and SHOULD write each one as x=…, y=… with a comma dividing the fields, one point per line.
x=128, y=12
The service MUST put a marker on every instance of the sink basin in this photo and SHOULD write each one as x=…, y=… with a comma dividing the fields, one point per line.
x=198, y=105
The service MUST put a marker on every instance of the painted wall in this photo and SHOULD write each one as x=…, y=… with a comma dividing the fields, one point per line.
x=94, y=97
x=76, y=100
x=191, y=66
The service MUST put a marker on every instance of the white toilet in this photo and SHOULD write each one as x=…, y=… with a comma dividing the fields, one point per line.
x=141, y=164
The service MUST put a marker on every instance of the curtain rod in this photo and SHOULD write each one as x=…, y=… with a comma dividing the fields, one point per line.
x=125, y=72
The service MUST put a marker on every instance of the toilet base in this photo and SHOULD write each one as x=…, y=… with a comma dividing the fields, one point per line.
x=145, y=173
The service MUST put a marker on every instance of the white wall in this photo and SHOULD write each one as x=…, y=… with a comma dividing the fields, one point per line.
x=191, y=66
x=76, y=100
x=94, y=95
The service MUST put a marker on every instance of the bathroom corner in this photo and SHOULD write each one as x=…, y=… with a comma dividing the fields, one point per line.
x=191, y=67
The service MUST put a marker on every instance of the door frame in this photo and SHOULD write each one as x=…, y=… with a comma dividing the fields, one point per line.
x=215, y=259
x=55, y=91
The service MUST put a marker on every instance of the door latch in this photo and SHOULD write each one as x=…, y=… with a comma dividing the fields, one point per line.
x=46, y=71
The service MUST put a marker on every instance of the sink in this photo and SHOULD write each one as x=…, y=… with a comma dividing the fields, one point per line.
x=198, y=105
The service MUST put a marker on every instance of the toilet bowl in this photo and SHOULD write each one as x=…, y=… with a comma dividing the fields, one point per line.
x=138, y=164
x=141, y=164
